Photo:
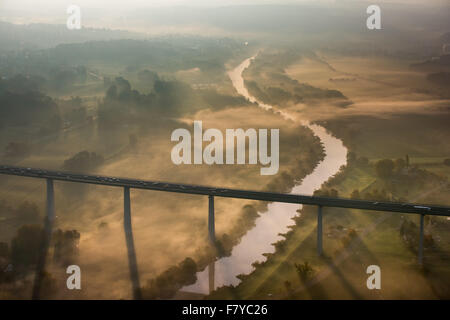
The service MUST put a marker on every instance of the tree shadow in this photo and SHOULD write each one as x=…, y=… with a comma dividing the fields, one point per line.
x=305, y=244
x=350, y=289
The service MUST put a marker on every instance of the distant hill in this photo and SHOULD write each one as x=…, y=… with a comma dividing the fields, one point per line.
x=162, y=54
x=41, y=36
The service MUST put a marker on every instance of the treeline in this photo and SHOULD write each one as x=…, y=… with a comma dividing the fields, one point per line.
x=167, y=284
x=161, y=54
x=83, y=161
x=395, y=178
x=277, y=88
x=300, y=92
x=168, y=98
x=19, y=258
x=21, y=104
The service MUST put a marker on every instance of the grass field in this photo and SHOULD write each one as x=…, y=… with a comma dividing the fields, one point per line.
x=341, y=273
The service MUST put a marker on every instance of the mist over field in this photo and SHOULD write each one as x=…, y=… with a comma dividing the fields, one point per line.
x=104, y=100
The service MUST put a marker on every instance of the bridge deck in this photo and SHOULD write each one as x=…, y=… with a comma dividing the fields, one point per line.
x=224, y=192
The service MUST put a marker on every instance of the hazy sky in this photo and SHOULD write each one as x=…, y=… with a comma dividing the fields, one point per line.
x=110, y=13
x=45, y=7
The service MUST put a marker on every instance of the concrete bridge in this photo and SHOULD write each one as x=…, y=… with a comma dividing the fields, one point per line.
x=211, y=192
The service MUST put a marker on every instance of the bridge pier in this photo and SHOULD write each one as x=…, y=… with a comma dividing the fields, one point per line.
x=132, y=262
x=319, y=231
x=211, y=276
x=46, y=238
x=211, y=222
x=420, y=254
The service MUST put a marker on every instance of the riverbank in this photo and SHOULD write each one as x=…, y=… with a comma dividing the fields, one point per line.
x=258, y=241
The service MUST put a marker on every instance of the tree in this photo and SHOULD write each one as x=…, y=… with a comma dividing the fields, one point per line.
x=66, y=246
x=334, y=193
x=28, y=108
x=351, y=158
x=83, y=161
x=26, y=245
x=187, y=271
x=384, y=168
x=170, y=281
x=304, y=270
x=355, y=194
x=400, y=164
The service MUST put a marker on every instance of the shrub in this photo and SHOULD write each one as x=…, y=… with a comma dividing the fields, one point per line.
x=304, y=271
x=384, y=168
x=355, y=194
x=170, y=281
x=26, y=245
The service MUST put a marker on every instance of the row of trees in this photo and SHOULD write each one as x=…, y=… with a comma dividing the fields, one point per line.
x=168, y=98
x=386, y=168
x=170, y=281
x=21, y=256
x=83, y=161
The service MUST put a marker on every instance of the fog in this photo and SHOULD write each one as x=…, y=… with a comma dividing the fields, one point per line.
x=144, y=68
x=228, y=17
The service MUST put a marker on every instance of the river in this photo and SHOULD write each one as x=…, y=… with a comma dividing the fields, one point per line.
x=279, y=216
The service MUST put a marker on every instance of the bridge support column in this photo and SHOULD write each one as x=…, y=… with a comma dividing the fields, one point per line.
x=319, y=231
x=46, y=238
x=211, y=275
x=211, y=223
x=132, y=262
x=420, y=254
